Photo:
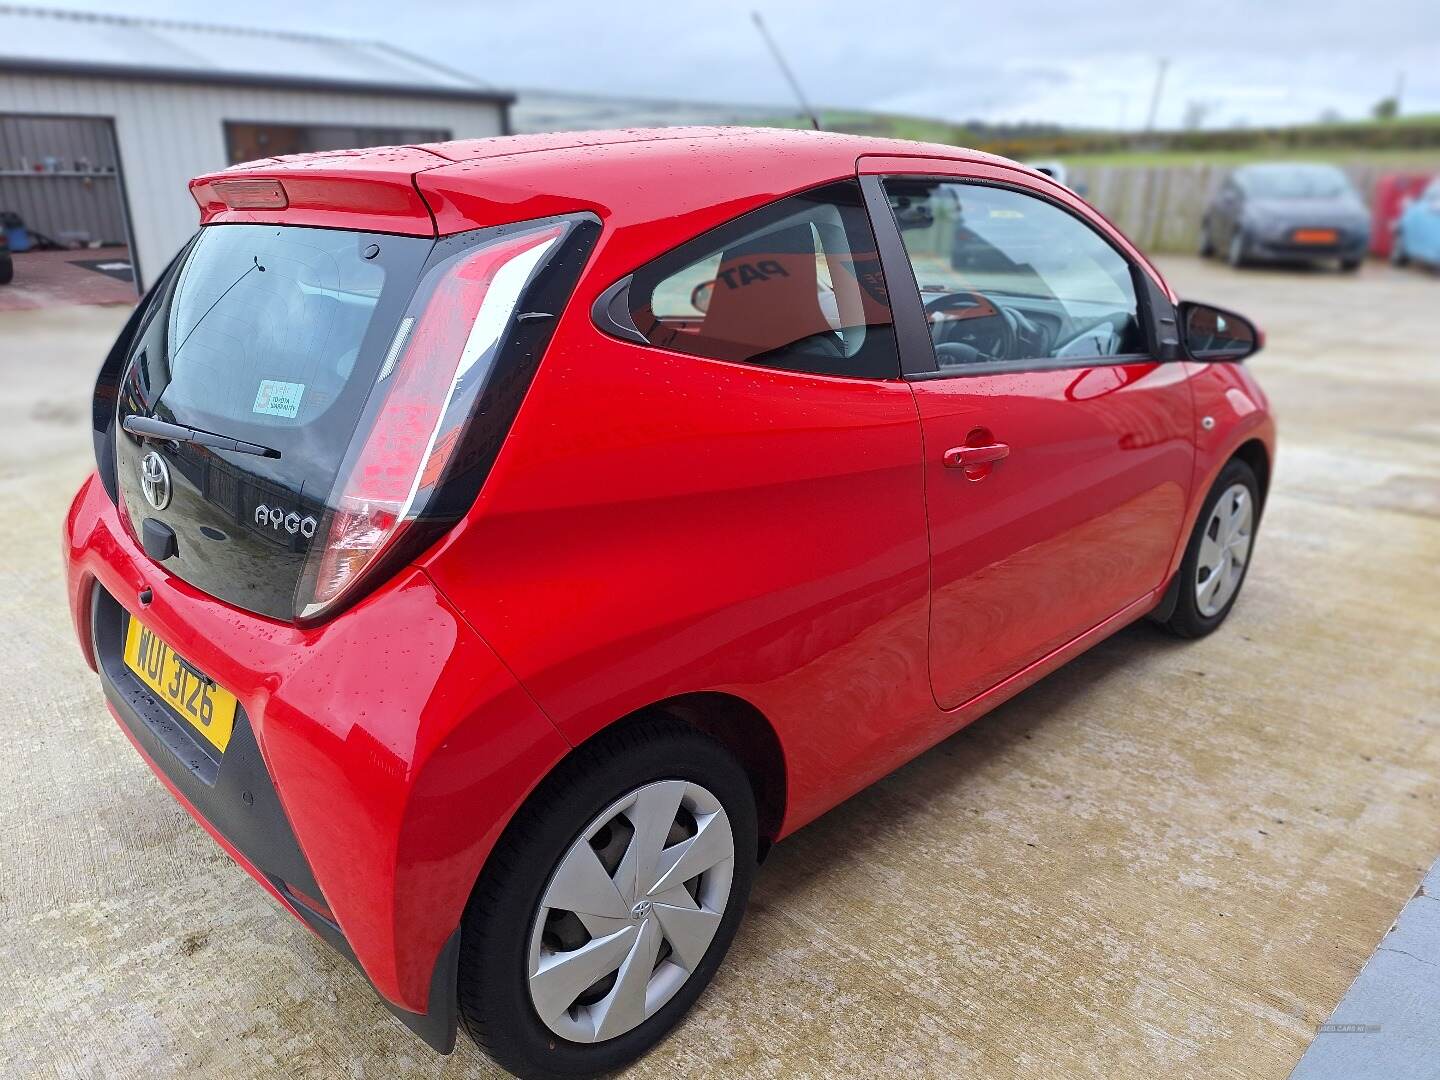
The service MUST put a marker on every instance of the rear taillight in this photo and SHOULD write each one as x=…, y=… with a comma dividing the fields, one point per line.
x=437, y=364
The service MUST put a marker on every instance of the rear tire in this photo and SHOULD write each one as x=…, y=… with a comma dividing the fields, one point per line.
x=1207, y=242
x=7, y=271
x=1398, y=257
x=1349, y=266
x=520, y=925
x=1214, y=567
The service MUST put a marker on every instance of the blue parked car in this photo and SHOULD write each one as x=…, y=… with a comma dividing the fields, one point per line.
x=1417, y=232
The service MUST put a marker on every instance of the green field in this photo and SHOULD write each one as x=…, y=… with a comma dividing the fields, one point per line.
x=856, y=122
x=1410, y=142
x=1400, y=159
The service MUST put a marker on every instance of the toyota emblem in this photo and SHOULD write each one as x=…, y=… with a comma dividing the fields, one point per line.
x=155, y=480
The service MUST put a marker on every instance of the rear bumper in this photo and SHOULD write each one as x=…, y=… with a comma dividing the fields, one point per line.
x=374, y=761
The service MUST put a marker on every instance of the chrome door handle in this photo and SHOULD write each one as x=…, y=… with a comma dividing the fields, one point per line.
x=965, y=457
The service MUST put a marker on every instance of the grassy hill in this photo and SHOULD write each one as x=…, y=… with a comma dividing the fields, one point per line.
x=1403, y=141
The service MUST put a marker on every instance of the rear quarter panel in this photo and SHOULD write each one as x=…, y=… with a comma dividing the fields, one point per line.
x=661, y=524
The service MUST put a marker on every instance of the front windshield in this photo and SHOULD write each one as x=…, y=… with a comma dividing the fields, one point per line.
x=1294, y=182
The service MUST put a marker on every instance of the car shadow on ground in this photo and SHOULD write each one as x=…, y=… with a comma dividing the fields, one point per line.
x=969, y=752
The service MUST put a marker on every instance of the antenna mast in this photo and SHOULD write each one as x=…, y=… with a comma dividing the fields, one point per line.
x=805, y=108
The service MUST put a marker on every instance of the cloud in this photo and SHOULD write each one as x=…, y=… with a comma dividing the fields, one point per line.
x=1093, y=63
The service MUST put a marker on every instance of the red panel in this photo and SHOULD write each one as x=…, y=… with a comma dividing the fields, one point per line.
x=662, y=524
x=1229, y=395
x=1081, y=519
x=1391, y=193
x=351, y=719
x=372, y=190
x=658, y=187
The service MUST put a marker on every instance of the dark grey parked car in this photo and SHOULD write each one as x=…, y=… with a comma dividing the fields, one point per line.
x=1286, y=213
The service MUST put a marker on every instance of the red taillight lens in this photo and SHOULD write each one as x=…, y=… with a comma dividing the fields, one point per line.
x=250, y=194
x=461, y=311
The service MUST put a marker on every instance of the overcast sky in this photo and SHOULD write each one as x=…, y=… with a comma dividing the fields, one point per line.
x=1091, y=63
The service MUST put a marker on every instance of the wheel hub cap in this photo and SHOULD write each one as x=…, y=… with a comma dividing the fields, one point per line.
x=630, y=911
x=1224, y=550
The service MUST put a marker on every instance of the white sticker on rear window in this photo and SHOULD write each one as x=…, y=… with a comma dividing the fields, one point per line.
x=279, y=398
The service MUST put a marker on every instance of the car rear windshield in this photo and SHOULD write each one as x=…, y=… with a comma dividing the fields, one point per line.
x=275, y=336
x=266, y=329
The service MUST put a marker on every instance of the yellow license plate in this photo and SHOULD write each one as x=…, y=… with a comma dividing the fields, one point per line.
x=209, y=708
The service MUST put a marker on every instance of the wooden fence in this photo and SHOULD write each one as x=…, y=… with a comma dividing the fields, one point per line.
x=1159, y=207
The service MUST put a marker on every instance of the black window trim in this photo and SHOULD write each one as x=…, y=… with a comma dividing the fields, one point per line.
x=918, y=362
x=610, y=312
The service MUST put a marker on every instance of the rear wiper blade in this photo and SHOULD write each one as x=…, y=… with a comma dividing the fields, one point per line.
x=150, y=428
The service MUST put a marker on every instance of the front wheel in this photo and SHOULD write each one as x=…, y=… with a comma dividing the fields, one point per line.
x=1237, y=254
x=609, y=903
x=1218, y=553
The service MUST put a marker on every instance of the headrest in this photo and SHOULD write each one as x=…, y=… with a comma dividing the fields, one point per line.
x=765, y=294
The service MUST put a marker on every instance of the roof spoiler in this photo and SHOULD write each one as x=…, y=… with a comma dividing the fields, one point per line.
x=370, y=190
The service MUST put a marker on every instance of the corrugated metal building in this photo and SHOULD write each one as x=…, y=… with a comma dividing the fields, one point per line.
x=104, y=119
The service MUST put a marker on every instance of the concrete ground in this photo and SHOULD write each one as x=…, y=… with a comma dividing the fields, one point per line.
x=1391, y=1005
x=1166, y=859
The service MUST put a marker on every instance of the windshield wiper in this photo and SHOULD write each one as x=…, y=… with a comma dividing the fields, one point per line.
x=149, y=428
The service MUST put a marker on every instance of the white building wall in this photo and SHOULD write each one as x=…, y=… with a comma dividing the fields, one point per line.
x=170, y=132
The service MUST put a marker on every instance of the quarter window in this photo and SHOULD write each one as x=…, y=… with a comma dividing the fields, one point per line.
x=1009, y=277
x=794, y=285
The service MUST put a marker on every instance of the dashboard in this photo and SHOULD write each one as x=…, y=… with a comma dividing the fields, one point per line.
x=975, y=328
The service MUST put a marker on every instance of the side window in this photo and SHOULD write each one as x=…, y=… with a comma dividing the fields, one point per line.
x=794, y=285
x=1006, y=276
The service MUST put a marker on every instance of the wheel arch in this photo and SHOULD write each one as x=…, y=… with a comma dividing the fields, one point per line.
x=743, y=730
x=1255, y=454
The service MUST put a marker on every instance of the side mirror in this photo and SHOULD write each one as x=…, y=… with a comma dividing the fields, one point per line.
x=1214, y=335
x=700, y=296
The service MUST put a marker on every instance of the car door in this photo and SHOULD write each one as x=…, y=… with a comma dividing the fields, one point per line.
x=1058, y=433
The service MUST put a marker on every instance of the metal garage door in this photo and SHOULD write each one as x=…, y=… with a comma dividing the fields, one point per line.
x=62, y=175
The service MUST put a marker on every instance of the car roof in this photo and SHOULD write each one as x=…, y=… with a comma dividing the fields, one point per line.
x=742, y=141
x=680, y=177
x=567, y=147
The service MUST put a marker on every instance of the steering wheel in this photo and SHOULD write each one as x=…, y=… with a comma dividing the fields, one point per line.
x=999, y=321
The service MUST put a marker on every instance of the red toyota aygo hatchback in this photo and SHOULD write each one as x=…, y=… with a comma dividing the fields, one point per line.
x=498, y=545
